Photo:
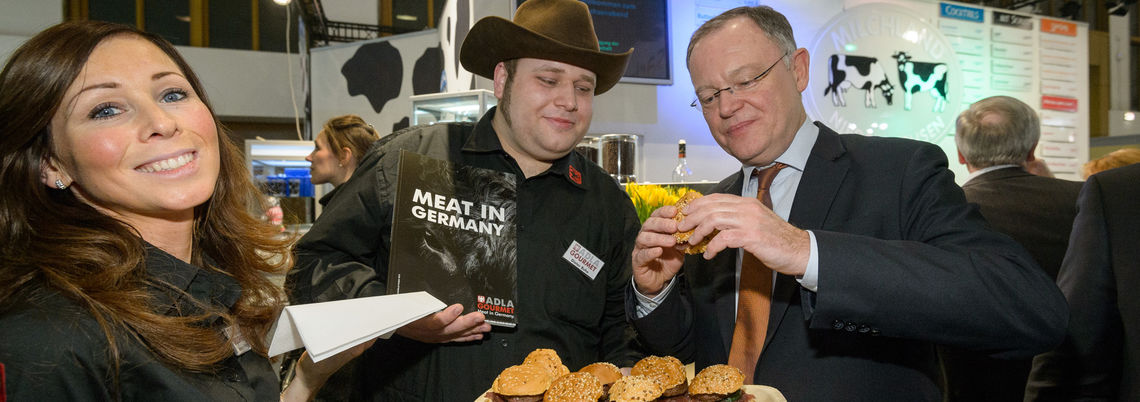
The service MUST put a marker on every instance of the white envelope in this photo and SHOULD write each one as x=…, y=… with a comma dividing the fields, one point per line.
x=325, y=329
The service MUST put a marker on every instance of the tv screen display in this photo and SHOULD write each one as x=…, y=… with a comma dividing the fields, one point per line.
x=639, y=24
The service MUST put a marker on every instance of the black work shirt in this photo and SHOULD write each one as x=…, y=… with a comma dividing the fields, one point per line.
x=345, y=255
x=54, y=350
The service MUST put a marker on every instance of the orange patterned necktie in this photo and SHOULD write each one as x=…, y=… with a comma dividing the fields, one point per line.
x=755, y=297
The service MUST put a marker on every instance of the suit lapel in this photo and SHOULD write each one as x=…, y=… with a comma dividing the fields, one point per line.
x=817, y=190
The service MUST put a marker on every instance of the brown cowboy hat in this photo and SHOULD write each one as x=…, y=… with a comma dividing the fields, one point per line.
x=559, y=30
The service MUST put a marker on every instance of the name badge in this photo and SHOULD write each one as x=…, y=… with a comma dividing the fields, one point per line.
x=236, y=340
x=583, y=259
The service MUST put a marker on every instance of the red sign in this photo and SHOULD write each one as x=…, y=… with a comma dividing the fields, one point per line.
x=1059, y=103
x=1058, y=27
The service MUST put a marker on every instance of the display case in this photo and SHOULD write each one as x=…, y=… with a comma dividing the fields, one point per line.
x=620, y=156
x=279, y=169
x=466, y=106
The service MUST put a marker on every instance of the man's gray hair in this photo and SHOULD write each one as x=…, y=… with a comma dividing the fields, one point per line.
x=774, y=24
x=998, y=130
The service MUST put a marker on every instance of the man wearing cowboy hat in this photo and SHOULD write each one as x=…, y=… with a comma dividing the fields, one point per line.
x=547, y=68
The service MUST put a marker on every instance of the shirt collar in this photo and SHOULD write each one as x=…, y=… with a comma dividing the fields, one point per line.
x=983, y=171
x=174, y=279
x=796, y=155
x=485, y=139
x=571, y=166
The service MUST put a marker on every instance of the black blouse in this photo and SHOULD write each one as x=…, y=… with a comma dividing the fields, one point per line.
x=52, y=349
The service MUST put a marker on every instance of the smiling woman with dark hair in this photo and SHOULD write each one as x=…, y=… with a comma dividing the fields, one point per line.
x=130, y=264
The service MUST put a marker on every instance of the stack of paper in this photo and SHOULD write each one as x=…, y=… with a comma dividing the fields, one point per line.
x=325, y=329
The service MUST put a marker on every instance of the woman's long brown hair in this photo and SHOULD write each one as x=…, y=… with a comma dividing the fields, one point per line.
x=52, y=241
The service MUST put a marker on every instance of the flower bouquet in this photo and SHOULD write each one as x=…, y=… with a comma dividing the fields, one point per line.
x=648, y=197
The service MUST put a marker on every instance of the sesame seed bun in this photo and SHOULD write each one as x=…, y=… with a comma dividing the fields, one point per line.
x=575, y=387
x=720, y=379
x=549, y=359
x=635, y=388
x=666, y=370
x=522, y=380
x=606, y=372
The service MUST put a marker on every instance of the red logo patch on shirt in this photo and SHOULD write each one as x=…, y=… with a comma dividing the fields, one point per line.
x=3, y=391
x=575, y=175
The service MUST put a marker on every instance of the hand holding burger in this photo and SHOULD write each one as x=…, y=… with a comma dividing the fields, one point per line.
x=683, y=237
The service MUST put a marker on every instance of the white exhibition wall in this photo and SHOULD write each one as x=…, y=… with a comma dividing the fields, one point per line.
x=979, y=56
x=243, y=85
x=254, y=86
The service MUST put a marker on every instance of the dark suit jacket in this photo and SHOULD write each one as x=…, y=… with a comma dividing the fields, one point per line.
x=1038, y=212
x=1100, y=357
x=904, y=264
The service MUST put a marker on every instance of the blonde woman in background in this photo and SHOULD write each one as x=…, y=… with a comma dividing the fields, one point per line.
x=1114, y=159
x=341, y=144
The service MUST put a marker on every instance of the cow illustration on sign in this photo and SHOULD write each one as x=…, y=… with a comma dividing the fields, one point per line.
x=916, y=76
x=849, y=71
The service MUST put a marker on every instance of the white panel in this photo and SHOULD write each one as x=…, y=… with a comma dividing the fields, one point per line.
x=1063, y=165
x=1058, y=119
x=1058, y=134
x=1057, y=73
x=28, y=17
x=967, y=46
x=1013, y=52
x=1066, y=62
x=1012, y=67
x=1012, y=35
x=1011, y=83
x=972, y=63
x=330, y=89
x=1057, y=149
x=966, y=29
x=971, y=95
x=1054, y=87
x=1059, y=42
x=245, y=83
x=976, y=80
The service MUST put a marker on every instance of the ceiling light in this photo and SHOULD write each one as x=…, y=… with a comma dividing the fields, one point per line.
x=281, y=2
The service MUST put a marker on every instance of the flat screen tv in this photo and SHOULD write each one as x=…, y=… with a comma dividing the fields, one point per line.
x=639, y=24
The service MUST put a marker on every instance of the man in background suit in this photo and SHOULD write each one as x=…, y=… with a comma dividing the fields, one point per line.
x=879, y=257
x=996, y=137
x=1100, y=356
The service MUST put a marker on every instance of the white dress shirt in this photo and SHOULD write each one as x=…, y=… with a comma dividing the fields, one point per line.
x=782, y=192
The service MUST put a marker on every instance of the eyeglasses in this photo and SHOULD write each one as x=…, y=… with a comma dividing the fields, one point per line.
x=706, y=97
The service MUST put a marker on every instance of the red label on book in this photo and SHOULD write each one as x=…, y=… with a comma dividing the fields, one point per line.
x=1058, y=103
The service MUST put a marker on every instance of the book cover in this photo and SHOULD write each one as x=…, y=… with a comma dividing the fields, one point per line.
x=453, y=236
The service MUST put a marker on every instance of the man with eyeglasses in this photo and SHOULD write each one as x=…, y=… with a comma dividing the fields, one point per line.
x=858, y=257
